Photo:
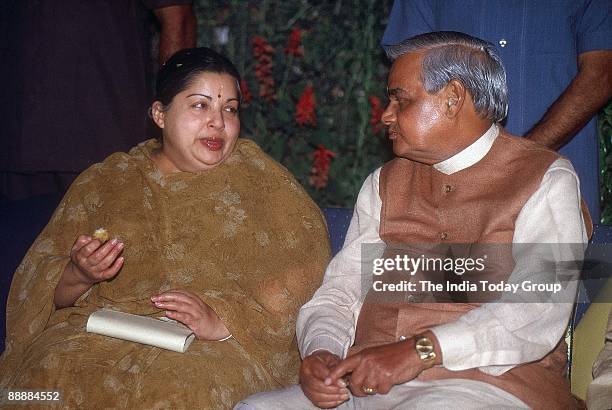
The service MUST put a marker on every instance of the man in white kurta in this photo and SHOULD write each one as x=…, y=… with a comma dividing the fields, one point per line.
x=494, y=337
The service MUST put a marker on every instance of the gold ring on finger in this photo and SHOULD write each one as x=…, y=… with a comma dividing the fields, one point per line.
x=369, y=390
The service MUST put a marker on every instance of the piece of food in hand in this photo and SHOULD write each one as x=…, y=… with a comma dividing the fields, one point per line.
x=101, y=234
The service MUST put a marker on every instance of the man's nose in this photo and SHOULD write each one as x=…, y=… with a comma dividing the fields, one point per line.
x=389, y=115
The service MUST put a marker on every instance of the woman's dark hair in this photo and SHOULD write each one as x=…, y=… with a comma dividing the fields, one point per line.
x=177, y=73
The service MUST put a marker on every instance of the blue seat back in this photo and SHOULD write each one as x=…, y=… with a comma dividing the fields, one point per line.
x=338, y=220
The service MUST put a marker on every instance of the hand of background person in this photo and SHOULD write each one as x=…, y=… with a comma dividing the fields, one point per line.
x=187, y=308
x=95, y=262
x=315, y=369
x=379, y=368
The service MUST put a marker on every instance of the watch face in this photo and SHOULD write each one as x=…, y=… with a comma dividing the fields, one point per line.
x=425, y=349
x=424, y=346
x=422, y=349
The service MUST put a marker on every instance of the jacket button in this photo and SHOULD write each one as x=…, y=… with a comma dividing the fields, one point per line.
x=402, y=338
x=443, y=236
x=448, y=188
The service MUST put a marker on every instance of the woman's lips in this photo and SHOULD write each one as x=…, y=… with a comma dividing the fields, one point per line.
x=213, y=144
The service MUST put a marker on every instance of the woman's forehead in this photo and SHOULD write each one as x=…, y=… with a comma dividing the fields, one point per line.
x=213, y=84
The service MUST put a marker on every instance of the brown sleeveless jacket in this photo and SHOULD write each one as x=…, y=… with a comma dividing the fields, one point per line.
x=477, y=205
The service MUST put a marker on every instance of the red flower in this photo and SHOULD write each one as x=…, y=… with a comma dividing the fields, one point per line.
x=305, y=108
x=263, y=53
x=319, y=173
x=294, y=44
x=246, y=93
x=376, y=113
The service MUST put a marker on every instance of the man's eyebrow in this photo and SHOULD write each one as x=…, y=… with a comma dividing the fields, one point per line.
x=201, y=95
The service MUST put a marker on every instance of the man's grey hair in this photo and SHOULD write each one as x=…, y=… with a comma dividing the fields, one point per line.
x=450, y=55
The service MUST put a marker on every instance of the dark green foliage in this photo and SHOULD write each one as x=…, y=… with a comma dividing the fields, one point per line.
x=605, y=142
x=345, y=65
x=342, y=61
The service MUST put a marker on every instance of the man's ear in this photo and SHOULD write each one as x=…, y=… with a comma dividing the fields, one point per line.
x=454, y=94
x=157, y=113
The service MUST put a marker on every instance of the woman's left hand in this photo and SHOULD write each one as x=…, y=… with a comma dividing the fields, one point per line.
x=188, y=308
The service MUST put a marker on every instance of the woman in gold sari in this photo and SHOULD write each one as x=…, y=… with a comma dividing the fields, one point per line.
x=205, y=229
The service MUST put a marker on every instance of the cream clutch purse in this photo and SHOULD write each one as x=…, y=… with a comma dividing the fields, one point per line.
x=166, y=334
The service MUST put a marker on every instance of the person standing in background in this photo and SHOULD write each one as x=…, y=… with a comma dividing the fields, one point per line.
x=77, y=84
x=558, y=63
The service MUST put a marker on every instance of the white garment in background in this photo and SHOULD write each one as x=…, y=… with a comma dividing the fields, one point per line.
x=599, y=393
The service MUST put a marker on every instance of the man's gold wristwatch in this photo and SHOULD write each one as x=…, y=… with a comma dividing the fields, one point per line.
x=425, y=349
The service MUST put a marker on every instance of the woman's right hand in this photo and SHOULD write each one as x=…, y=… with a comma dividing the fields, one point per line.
x=90, y=262
x=94, y=261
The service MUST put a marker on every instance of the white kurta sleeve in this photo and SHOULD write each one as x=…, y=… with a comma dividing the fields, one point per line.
x=498, y=336
x=329, y=319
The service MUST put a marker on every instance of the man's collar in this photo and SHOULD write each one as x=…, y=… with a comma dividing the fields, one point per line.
x=470, y=155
